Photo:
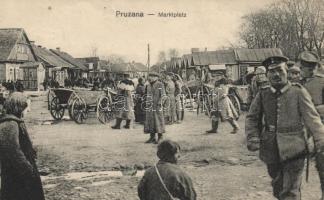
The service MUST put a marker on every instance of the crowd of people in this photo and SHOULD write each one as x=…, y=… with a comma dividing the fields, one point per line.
x=287, y=110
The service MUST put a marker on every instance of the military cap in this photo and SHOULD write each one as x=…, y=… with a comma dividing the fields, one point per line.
x=169, y=73
x=273, y=61
x=294, y=69
x=290, y=63
x=309, y=57
x=154, y=74
x=260, y=70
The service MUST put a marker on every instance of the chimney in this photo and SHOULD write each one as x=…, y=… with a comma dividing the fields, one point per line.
x=58, y=48
x=194, y=50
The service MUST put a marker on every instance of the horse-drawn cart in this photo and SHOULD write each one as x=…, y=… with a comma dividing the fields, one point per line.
x=80, y=103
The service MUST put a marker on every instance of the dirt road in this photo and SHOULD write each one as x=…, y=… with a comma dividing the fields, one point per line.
x=78, y=159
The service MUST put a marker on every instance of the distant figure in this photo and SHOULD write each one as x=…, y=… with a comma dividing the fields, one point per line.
x=20, y=179
x=170, y=108
x=45, y=84
x=139, y=101
x=154, y=117
x=19, y=86
x=178, y=97
x=166, y=180
x=125, y=105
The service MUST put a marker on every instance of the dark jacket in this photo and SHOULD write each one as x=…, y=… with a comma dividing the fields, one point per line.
x=178, y=183
x=20, y=179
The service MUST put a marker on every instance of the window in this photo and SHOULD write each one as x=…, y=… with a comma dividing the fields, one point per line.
x=90, y=66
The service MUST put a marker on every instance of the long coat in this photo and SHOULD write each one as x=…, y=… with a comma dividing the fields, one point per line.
x=20, y=179
x=154, y=118
x=139, y=103
x=178, y=183
x=276, y=122
x=170, y=104
x=125, y=105
x=223, y=104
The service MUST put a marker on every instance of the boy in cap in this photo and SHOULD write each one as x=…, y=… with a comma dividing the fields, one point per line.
x=314, y=84
x=275, y=125
x=166, y=180
x=154, y=117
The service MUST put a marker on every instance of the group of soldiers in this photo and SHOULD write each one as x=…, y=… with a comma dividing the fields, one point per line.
x=283, y=120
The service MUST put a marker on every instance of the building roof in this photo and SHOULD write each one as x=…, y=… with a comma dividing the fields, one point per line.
x=256, y=55
x=8, y=39
x=213, y=57
x=50, y=58
x=139, y=67
x=68, y=58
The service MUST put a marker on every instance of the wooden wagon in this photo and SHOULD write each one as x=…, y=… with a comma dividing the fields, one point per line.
x=80, y=103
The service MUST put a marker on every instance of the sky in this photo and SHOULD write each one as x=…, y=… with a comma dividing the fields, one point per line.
x=79, y=26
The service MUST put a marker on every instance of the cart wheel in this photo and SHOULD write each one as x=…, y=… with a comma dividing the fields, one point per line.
x=79, y=111
x=104, y=111
x=56, y=110
x=203, y=101
x=236, y=103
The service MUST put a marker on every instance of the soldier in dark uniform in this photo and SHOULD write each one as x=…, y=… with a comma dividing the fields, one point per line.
x=275, y=125
x=314, y=83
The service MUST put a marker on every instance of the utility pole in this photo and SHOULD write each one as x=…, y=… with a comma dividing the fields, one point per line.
x=148, y=59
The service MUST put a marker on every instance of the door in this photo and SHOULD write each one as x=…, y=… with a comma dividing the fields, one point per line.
x=30, y=78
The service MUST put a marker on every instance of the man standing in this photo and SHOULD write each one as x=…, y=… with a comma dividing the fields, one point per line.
x=125, y=104
x=170, y=109
x=154, y=118
x=275, y=126
x=314, y=83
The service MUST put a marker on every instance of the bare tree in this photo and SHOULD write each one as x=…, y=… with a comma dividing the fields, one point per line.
x=292, y=25
x=173, y=53
x=161, y=57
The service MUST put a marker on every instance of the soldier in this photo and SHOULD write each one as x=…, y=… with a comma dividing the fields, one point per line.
x=294, y=74
x=259, y=80
x=314, y=83
x=154, y=118
x=275, y=126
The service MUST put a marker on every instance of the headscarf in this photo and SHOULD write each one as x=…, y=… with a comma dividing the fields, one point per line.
x=15, y=104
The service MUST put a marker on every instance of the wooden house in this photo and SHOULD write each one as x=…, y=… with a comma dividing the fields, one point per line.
x=79, y=70
x=55, y=67
x=18, y=60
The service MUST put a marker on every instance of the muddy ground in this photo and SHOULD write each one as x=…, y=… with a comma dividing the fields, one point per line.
x=76, y=160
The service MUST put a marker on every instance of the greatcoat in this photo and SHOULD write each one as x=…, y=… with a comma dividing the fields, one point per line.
x=154, y=118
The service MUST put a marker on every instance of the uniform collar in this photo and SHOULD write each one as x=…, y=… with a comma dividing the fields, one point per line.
x=282, y=90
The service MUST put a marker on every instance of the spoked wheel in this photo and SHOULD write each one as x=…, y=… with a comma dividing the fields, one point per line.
x=79, y=111
x=104, y=111
x=203, y=100
x=56, y=110
x=69, y=105
x=235, y=102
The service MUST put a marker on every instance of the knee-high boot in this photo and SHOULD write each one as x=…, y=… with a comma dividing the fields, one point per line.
x=214, y=127
x=234, y=125
x=117, y=125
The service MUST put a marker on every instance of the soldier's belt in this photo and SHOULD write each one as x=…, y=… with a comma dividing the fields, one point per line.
x=273, y=128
